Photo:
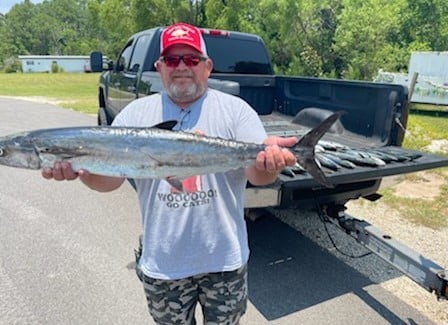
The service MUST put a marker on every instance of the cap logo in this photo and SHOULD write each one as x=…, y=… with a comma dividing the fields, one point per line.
x=179, y=33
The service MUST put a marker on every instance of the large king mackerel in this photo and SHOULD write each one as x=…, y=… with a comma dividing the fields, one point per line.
x=155, y=152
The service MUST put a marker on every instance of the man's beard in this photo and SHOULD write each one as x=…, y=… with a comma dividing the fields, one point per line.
x=184, y=95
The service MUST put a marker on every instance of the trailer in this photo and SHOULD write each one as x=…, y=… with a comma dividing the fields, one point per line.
x=55, y=63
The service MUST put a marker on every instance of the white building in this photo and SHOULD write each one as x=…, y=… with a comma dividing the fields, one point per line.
x=431, y=64
x=432, y=82
x=65, y=63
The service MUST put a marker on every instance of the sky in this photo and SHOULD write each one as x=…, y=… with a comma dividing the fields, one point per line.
x=5, y=5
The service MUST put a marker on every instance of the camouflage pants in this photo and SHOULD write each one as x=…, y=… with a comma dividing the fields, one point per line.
x=222, y=296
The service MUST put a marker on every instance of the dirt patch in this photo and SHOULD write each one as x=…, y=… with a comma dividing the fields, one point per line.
x=438, y=146
x=423, y=185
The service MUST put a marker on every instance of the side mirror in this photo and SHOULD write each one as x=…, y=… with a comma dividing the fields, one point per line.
x=96, y=61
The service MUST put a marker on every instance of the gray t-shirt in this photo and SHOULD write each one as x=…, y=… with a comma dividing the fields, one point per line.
x=202, y=229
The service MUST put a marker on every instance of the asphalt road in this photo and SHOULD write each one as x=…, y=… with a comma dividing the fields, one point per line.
x=66, y=255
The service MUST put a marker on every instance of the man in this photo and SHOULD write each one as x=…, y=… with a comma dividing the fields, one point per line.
x=194, y=243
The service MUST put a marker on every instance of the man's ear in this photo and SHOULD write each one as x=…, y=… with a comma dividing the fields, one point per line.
x=157, y=65
x=209, y=64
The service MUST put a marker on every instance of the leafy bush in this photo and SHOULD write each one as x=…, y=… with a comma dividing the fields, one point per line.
x=54, y=67
x=12, y=65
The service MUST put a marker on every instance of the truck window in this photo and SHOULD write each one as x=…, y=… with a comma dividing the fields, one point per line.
x=139, y=53
x=232, y=55
x=125, y=55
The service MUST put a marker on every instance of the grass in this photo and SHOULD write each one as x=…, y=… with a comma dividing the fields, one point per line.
x=422, y=129
x=429, y=213
x=78, y=91
x=429, y=108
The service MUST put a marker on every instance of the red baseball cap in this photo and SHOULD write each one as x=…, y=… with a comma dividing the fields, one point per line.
x=182, y=33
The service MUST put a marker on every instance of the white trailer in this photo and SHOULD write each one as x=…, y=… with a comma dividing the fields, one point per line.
x=48, y=63
x=431, y=86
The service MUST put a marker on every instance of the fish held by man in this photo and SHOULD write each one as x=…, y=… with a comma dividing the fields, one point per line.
x=153, y=152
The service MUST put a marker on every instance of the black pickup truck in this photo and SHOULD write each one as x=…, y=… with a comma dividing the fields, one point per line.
x=374, y=121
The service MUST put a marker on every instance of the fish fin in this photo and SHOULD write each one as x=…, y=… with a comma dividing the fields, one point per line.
x=176, y=183
x=307, y=143
x=312, y=137
x=313, y=168
x=167, y=125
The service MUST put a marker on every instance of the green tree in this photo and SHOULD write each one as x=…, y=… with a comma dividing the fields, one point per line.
x=149, y=13
x=18, y=29
x=299, y=35
x=65, y=24
x=98, y=35
x=115, y=18
x=235, y=15
x=52, y=27
x=424, y=26
x=329, y=38
x=365, y=37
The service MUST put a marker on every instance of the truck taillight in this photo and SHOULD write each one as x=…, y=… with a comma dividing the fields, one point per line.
x=215, y=32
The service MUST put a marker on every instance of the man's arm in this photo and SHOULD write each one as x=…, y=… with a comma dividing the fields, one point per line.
x=63, y=171
x=271, y=161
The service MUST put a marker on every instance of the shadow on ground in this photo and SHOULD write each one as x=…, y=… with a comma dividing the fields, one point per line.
x=289, y=273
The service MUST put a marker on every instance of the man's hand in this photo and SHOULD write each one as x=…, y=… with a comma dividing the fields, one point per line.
x=63, y=171
x=276, y=156
x=272, y=160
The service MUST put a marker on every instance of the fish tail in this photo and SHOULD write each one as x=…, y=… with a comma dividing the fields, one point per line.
x=305, y=146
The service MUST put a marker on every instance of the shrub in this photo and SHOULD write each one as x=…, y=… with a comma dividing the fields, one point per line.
x=54, y=67
x=12, y=65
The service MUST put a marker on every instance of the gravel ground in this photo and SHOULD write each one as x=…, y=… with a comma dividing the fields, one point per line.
x=429, y=242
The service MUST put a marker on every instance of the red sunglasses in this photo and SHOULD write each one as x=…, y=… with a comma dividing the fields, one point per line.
x=190, y=60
